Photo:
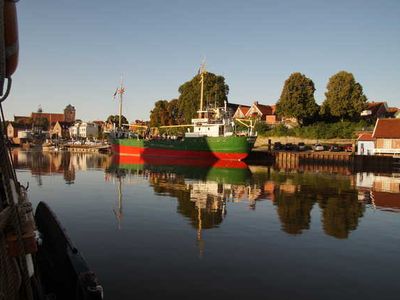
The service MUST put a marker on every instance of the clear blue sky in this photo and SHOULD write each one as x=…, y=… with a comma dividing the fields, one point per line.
x=74, y=51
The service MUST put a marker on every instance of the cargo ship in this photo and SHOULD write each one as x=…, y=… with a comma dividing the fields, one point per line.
x=213, y=136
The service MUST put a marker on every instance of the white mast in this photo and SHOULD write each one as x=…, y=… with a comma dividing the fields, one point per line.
x=202, y=73
x=121, y=91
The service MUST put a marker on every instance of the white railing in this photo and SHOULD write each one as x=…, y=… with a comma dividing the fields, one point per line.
x=386, y=150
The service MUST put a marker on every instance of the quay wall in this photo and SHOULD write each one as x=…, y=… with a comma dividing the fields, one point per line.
x=262, y=141
x=295, y=160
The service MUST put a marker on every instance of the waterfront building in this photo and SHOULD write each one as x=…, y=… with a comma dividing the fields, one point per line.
x=13, y=129
x=365, y=144
x=47, y=120
x=61, y=129
x=88, y=130
x=84, y=130
x=387, y=136
x=74, y=130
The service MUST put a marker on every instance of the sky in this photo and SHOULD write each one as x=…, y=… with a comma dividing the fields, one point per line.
x=74, y=51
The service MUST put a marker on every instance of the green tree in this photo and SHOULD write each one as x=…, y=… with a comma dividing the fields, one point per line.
x=173, y=112
x=344, y=97
x=215, y=92
x=165, y=113
x=114, y=119
x=297, y=99
x=159, y=115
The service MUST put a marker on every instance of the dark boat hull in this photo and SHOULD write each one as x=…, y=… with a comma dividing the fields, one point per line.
x=64, y=272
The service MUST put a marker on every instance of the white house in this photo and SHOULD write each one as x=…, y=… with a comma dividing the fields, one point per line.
x=87, y=130
x=365, y=144
x=84, y=130
x=74, y=130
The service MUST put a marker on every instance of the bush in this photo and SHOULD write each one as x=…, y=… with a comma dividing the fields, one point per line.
x=320, y=130
x=261, y=128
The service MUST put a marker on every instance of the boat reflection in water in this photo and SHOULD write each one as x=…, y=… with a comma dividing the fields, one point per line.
x=201, y=187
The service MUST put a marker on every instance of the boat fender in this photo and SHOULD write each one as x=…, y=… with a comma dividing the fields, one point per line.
x=29, y=264
x=11, y=36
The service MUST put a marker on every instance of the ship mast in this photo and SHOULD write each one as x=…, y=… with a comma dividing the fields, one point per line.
x=121, y=91
x=202, y=73
x=118, y=212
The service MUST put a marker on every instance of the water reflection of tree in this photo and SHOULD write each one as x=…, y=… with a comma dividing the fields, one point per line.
x=336, y=197
x=341, y=213
x=294, y=210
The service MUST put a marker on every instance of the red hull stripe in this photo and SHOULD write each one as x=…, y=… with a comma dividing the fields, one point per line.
x=174, y=161
x=130, y=150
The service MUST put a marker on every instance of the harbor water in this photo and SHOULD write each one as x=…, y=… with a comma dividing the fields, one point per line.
x=182, y=229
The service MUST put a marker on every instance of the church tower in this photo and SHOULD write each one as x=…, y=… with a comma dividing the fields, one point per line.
x=69, y=113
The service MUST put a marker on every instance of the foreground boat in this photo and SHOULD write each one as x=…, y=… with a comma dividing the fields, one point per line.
x=64, y=272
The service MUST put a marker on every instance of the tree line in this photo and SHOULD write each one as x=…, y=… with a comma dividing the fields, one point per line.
x=344, y=99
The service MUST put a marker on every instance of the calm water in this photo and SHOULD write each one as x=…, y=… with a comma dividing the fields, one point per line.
x=192, y=230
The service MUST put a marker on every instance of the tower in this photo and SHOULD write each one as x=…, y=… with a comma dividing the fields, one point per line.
x=69, y=113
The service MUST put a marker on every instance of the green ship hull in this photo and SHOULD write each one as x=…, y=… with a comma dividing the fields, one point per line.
x=225, y=148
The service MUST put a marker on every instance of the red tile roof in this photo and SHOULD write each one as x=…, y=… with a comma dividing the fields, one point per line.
x=387, y=128
x=51, y=117
x=365, y=137
x=244, y=109
x=265, y=109
x=374, y=105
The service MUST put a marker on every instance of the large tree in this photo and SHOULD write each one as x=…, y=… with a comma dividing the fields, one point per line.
x=297, y=98
x=215, y=92
x=114, y=119
x=160, y=114
x=344, y=97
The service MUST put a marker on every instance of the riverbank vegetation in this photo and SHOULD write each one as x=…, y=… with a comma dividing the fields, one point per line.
x=337, y=117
